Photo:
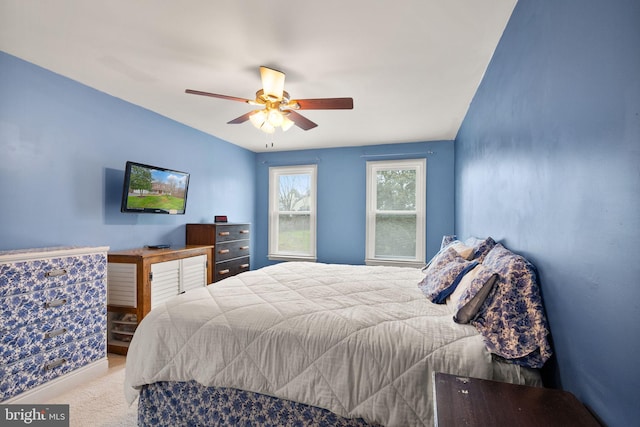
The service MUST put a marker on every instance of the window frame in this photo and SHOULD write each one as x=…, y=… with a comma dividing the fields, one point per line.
x=274, y=174
x=420, y=166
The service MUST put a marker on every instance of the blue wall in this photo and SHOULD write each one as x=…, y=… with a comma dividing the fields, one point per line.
x=63, y=147
x=341, y=195
x=548, y=161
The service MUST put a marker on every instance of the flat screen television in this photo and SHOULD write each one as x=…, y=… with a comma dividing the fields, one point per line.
x=152, y=189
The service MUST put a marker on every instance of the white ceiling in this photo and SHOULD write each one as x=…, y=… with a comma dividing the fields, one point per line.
x=411, y=66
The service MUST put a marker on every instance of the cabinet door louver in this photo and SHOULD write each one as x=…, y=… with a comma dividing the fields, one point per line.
x=119, y=290
x=194, y=272
x=166, y=281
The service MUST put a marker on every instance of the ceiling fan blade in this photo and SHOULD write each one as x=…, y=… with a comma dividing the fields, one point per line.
x=323, y=104
x=301, y=121
x=215, y=95
x=272, y=83
x=243, y=118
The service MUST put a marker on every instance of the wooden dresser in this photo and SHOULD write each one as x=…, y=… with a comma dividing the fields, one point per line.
x=231, y=242
x=140, y=279
x=53, y=321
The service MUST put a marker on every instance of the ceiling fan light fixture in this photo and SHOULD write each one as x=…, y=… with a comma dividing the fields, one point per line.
x=262, y=119
x=258, y=118
x=287, y=123
x=267, y=127
x=275, y=117
x=272, y=83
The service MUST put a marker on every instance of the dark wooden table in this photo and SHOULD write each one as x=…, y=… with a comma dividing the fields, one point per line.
x=463, y=401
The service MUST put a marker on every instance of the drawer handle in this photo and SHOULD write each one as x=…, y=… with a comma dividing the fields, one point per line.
x=244, y=231
x=223, y=233
x=221, y=272
x=55, y=303
x=55, y=273
x=55, y=364
x=55, y=333
x=244, y=266
x=223, y=251
x=244, y=248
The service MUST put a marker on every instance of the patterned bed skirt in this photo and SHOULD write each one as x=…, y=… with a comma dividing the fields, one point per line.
x=192, y=404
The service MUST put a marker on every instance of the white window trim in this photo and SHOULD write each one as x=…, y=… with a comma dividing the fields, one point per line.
x=274, y=173
x=420, y=166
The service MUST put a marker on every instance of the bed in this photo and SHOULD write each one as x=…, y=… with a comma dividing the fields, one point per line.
x=301, y=343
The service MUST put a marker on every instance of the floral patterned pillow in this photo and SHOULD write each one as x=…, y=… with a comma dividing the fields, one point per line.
x=513, y=321
x=482, y=248
x=443, y=274
x=464, y=250
x=447, y=239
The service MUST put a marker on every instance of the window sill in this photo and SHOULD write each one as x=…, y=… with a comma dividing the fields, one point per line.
x=291, y=258
x=394, y=263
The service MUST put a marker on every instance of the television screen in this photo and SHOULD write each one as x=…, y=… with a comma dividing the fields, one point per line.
x=152, y=189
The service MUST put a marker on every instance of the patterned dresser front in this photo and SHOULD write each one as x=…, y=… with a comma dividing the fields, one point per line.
x=53, y=318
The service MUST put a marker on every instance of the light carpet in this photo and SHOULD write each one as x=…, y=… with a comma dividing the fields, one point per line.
x=100, y=402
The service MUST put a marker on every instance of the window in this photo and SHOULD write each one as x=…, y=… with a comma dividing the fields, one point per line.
x=396, y=193
x=292, y=212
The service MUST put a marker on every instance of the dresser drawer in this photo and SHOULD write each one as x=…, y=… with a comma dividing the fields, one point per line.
x=39, y=274
x=229, y=250
x=230, y=268
x=47, y=304
x=38, y=337
x=36, y=370
x=225, y=233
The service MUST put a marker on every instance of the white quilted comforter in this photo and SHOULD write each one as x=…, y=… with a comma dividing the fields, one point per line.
x=360, y=341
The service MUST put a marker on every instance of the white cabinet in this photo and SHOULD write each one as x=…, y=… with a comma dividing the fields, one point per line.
x=142, y=279
x=171, y=278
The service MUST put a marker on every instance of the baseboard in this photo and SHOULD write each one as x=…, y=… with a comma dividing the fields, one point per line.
x=57, y=386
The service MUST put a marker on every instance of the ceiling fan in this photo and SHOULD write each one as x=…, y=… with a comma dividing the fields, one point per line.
x=279, y=109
